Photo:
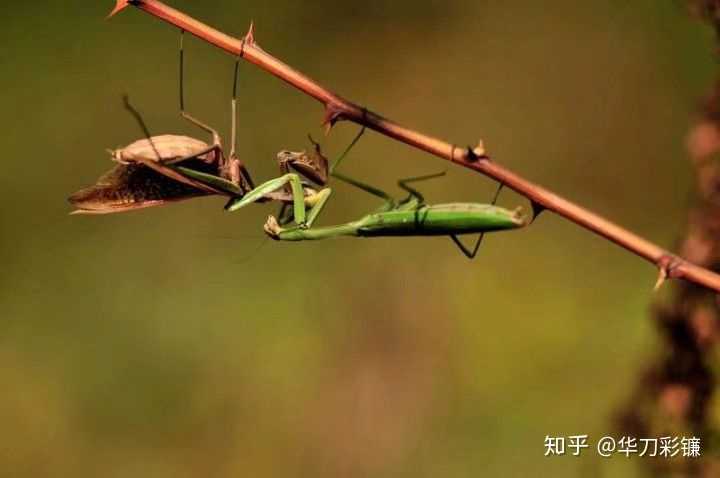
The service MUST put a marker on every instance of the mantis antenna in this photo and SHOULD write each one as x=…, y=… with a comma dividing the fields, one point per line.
x=141, y=122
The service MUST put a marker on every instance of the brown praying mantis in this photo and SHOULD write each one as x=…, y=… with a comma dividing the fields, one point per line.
x=160, y=169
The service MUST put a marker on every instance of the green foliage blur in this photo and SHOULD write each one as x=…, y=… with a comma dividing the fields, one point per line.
x=179, y=342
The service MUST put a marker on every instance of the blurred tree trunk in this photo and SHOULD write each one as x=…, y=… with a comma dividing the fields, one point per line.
x=676, y=393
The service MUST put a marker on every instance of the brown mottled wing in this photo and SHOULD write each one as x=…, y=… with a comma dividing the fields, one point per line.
x=172, y=174
x=130, y=187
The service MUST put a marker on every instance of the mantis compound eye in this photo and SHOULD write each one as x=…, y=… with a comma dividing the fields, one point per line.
x=286, y=156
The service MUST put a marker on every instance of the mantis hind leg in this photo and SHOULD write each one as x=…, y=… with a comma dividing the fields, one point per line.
x=157, y=164
x=183, y=113
x=231, y=168
x=236, y=170
x=470, y=254
x=465, y=250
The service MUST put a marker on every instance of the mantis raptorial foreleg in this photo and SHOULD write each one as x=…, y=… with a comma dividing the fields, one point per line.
x=316, y=201
x=235, y=168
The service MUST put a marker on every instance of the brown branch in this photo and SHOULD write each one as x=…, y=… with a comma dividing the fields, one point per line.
x=338, y=108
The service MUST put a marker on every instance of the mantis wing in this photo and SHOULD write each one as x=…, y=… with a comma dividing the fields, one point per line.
x=130, y=187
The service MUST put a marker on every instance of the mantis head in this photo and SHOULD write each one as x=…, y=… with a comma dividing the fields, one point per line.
x=272, y=228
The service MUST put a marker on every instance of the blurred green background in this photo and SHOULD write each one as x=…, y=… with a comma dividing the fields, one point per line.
x=178, y=342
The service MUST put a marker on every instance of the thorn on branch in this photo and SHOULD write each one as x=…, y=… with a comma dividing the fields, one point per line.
x=666, y=266
x=250, y=35
x=248, y=39
x=537, y=209
x=121, y=5
x=480, y=150
x=662, y=277
x=477, y=153
x=332, y=115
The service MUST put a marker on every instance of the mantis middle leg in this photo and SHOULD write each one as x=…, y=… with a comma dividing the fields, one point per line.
x=470, y=254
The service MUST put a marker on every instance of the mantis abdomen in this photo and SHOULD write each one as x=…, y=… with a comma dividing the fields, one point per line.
x=437, y=220
x=440, y=220
x=163, y=148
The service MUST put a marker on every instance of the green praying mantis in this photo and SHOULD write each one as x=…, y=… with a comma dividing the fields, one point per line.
x=408, y=217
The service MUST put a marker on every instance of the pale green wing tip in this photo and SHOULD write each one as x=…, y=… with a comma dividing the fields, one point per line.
x=520, y=219
x=90, y=212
